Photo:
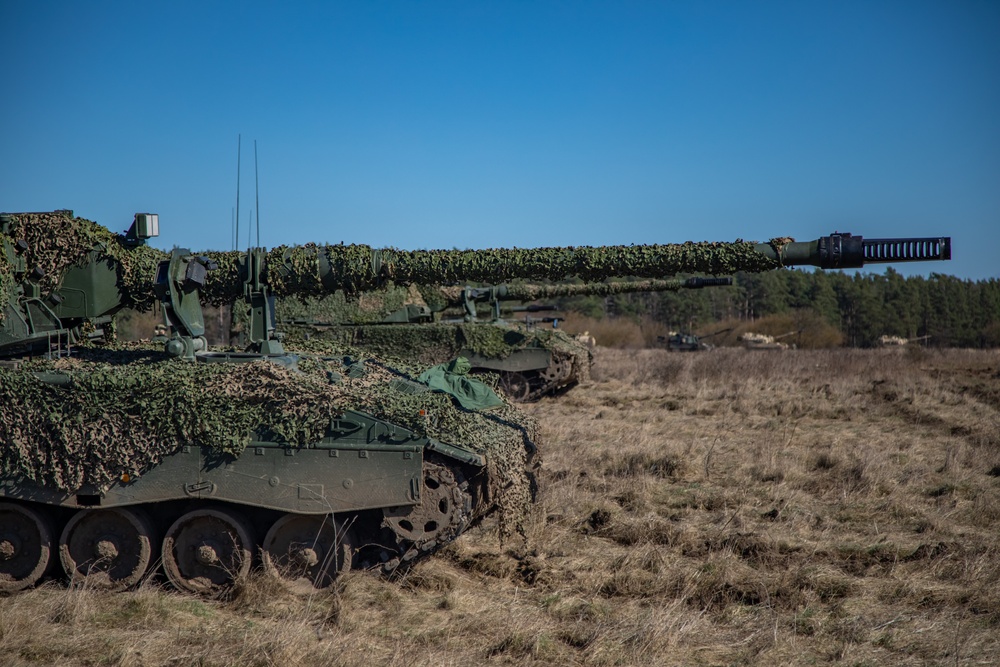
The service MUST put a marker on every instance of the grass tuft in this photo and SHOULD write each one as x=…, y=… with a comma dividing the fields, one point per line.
x=731, y=507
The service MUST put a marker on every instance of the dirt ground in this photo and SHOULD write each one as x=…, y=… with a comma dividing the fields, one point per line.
x=721, y=508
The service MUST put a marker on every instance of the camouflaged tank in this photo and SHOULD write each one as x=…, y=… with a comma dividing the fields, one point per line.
x=532, y=356
x=119, y=457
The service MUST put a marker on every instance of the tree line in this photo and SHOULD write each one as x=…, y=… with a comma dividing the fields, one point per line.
x=864, y=306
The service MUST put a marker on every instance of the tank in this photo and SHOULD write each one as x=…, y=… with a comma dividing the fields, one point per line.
x=531, y=354
x=681, y=342
x=886, y=340
x=118, y=457
x=757, y=341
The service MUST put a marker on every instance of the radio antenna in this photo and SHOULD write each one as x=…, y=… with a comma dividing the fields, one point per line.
x=238, y=142
x=232, y=228
x=256, y=185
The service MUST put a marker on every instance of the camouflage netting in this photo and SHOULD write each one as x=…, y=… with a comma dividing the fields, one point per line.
x=498, y=341
x=56, y=241
x=336, y=308
x=435, y=297
x=528, y=292
x=435, y=343
x=373, y=307
x=128, y=408
x=6, y=274
x=359, y=268
x=422, y=344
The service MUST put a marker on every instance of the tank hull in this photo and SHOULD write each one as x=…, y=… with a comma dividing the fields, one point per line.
x=530, y=361
x=107, y=501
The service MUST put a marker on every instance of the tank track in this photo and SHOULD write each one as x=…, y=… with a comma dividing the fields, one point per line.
x=562, y=373
x=206, y=546
x=447, y=508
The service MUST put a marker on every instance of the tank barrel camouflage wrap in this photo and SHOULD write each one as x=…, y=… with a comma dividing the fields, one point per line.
x=314, y=270
x=519, y=292
x=317, y=270
x=57, y=241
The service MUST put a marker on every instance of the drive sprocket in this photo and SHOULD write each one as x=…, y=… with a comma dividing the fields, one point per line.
x=444, y=511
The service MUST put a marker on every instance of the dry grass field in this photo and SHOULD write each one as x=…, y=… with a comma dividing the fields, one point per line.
x=724, y=508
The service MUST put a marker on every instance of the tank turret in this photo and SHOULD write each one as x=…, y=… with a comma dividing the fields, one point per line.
x=116, y=457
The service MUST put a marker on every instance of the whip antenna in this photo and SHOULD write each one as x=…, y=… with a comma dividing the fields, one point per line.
x=256, y=185
x=238, y=141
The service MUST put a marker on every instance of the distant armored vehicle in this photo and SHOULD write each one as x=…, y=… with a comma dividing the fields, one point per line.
x=756, y=341
x=680, y=342
x=899, y=341
x=532, y=359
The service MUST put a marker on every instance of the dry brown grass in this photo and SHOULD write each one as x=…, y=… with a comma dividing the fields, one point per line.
x=617, y=332
x=812, y=332
x=725, y=508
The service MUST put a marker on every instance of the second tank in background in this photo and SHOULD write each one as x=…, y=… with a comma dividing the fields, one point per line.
x=528, y=350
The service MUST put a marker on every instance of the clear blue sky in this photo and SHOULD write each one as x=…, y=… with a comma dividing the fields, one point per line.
x=507, y=123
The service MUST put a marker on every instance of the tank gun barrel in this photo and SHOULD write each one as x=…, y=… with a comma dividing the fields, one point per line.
x=315, y=270
x=845, y=251
x=468, y=297
x=532, y=308
x=358, y=268
x=535, y=292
